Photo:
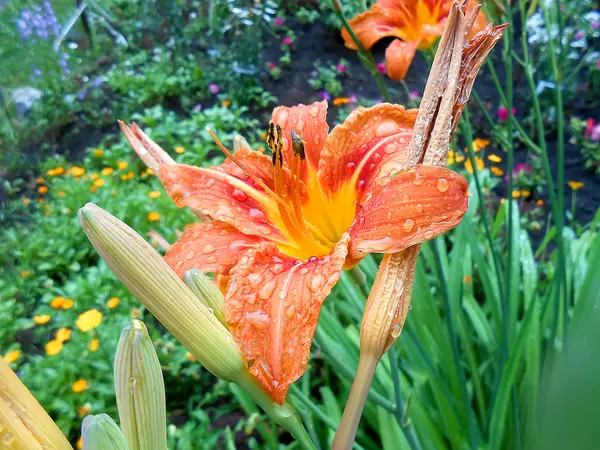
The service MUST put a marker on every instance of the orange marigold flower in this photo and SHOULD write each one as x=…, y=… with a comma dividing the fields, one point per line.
x=153, y=216
x=154, y=194
x=416, y=23
x=495, y=158
x=496, y=171
x=516, y=194
x=575, y=185
x=283, y=227
x=94, y=176
x=77, y=171
x=61, y=193
x=43, y=189
x=83, y=411
x=41, y=320
x=25, y=273
x=93, y=188
x=525, y=193
x=94, y=344
x=12, y=356
x=39, y=180
x=149, y=171
x=67, y=304
x=122, y=165
x=179, y=150
x=478, y=162
x=226, y=103
x=341, y=101
x=99, y=182
x=54, y=347
x=89, y=320
x=63, y=335
x=98, y=152
x=190, y=357
x=540, y=202
x=79, y=386
x=107, y=171
x=113, y=302
x=57, y=302
x=26, y=201
x=479, y=144
x=79, y=444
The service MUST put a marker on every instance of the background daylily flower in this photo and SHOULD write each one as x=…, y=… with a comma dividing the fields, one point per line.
x=283, y=227
x=416, y=23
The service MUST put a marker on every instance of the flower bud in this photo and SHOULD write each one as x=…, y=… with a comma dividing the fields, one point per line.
x=155, y=284
x=206, y=291
x=24, y=424
x=102, y=433
x=140, y=390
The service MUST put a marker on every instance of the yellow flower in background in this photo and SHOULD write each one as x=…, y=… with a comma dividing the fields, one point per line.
x=226, y=103
x=26, y=201
x=190, y=357
x=153, y=216
x=341, y=101
x=179, y=150
x=57, y=302
x=107, y=171
x=89, y=320
x=99, y=182
x=98, y=152
x=56, y=171
x=459, y=158
x=575, y=185
x=43, y=189
x=94, y=176
x=12, y=356
x=79, y=443
x=154, y=194
x=94, y=344
x=79, y=386
x=25, y=273
x=39, y=180
x=54, y=347
x=77, y=171
x=63, y=335
x=113, y=302
x=93, y=189
x=450, y=157
x=83, y=411
x=478, y=162
x=122, y=165
x=41, y=320
x=516, y=194
x=497, y=171
x=540, y=202
x=128, y=176
x=495, y=158
x=525, y=193
x=479, y=144
x=149, y=171
x=67, y=304
x=61, y=193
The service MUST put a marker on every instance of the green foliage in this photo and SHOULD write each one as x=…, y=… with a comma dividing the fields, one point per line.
x=327, y=77
x=590, y=150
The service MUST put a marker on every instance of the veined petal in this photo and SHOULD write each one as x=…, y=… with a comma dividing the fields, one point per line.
x=369, y=146
x=272, y=307
x=417, y=205
x=210, y=247
x=222, y=193
x=398, y=57
x=310, y=122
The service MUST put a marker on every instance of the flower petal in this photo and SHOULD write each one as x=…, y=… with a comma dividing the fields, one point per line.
x=272, y=307
x=417, y=205
x=223, y=193
x=373, y=25
x=398, y=57
x=310, y=122
x=210, y=247
x=369, y=146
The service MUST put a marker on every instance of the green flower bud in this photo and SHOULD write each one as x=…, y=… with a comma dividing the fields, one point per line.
x=140, y=390
x=102, y=433
x=206, y=291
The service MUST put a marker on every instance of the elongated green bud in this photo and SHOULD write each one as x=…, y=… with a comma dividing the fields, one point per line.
x=24, y=424
x=156, y=285
x=140, y=390
x=102, y=433
x=206, y=291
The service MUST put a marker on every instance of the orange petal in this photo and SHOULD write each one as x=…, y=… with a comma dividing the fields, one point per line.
x=398, y=57
x=310, y=122
x=369, y=146
x=272, y=307
x=480, y=22
x=210, y=247
x=417, y=205
x=373, y=25
x=224, y=197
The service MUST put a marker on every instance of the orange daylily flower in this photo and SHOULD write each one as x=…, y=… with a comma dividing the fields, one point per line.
x=416, y=23
x=283, y=227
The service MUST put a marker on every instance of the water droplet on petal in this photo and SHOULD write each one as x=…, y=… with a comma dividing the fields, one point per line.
x=190, y=254
x=408, y=225
x=428, y=234
x=240, y=196
x=208, y=248
x=266, y=290
x=315, y=282
x=442, y=185
x=386, y=128
x=396, y=329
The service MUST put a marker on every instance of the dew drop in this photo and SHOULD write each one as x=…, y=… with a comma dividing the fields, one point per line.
x=315, y=282
x=208, y=248
x=428, y=234
x=190, y=254
x=442, y=185
x=314, y=111
x=386, y=128
x=419, y=207
x=396, y=329
x=266, y=290
x=210, y=182
x=240, y=196
x=408, y=225
x=211, y=259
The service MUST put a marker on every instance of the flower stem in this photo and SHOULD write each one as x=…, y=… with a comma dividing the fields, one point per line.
x=344, y=437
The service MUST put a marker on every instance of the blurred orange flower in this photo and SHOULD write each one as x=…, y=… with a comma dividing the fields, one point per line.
x=12, y=356
x=79, y=386
x=41, y=320
x=54, y=347
x=113, y=302
x=89, y=320
x=416, y=23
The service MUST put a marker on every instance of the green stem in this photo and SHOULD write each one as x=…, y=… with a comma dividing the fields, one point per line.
x=413, y=442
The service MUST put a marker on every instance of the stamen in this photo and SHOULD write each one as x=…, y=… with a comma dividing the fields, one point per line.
x=298, y=145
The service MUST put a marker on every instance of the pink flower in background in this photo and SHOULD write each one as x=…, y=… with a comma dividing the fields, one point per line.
x=271, y=66
x=503, y=113
x=278, y=21
x=413, y=96
x=595, y=25
x=381, y=68
x=214, y=89
x=341, y=68
x=592, y=130
x=324, y=95
x=580, y=35
x=522, y=168
x=598, y=64
x=589, y=127
x=288, y=40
